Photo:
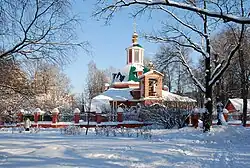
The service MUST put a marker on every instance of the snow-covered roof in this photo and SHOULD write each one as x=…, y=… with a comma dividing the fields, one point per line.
x=117, y=94
x=126, y=69
x=102, y=101
x=123, y=94
x=102, y=97
x=238, y=104
x=168, y=96
x=131, y=84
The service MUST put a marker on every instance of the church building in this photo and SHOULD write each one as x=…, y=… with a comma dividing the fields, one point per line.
x=136, y=83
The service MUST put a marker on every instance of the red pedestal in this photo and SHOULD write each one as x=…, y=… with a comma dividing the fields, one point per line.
x=98, y=118
x=195, y=120
x=54, y=117
x=20, y=117
x=77, y=117
x=36, y=117
x=119, y=117
x=226, y=116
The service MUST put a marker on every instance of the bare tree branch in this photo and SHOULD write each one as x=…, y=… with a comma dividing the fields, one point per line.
x=184, y=62
x=112, y=8
x=194, y=46
x=39, y=28
x=228, y=60
x=181, y=22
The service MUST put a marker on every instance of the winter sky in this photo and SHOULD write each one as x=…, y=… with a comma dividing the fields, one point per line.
x=108, y=42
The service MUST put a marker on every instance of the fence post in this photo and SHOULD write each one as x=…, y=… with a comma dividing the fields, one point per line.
x=98, y=117
x=54, y=112
x=36, y=114
x=120, y=114
x=20, y=115
x=225, y=113
x=76, y=115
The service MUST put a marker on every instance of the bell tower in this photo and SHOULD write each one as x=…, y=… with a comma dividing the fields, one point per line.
x=135, y=54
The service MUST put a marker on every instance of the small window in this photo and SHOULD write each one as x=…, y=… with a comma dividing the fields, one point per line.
x=130, y=56
x=137, y=56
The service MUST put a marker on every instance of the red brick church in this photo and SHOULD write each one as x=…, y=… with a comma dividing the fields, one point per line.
x=137, y=83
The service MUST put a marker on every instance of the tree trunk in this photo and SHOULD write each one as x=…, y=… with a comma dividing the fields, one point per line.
x=207, y=118
x=244, y=117
x=88, y=118
x=244, y=87
x=169, y=81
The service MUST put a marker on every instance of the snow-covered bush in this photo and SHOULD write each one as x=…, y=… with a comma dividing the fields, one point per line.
x=66, y=115
x=71, y=130
x=144, y=132
x=131, y=114
x=162, y=116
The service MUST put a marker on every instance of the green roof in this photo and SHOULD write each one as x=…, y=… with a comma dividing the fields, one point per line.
x=137, y=45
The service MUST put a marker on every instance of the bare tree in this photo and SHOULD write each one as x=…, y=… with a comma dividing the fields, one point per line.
x=226, y=10
x=15, y=90
x=163, y=60
x=168, y=62
x=239, y=71
x=38, y=29
x=229, y=85
x=95, y=82
x=245, y=76
x=50, y=86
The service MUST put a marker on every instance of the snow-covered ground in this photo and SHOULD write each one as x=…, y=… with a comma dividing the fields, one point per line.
x=224, y=146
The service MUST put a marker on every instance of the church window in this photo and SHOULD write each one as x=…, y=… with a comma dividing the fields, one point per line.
x=137, y=56
x=130, y=56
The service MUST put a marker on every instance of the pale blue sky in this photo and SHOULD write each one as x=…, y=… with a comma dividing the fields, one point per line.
x=108, y=42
